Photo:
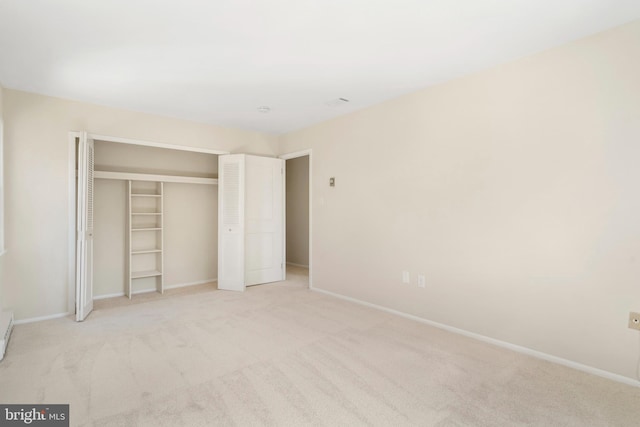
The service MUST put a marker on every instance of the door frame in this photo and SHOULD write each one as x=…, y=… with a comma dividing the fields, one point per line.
x=72, y=194
x=293, y=155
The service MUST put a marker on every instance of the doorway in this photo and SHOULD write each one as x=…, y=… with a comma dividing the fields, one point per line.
x=298, y=179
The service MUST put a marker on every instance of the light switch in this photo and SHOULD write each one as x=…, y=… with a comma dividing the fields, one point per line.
x=332, y=182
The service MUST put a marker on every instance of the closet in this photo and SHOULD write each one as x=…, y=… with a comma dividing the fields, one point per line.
x=150, y=217
x=153, y=218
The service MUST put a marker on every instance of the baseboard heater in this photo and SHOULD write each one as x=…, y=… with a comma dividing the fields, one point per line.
x=6, y=326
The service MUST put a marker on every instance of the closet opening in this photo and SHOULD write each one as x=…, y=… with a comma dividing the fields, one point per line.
x=151, y=225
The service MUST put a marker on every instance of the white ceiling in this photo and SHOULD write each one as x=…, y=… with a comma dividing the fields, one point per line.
x=217, y=61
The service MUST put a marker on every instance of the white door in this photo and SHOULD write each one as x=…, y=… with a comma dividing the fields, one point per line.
x=250, y=221
x=264, y=220
x=84, y=221
x=231, y=222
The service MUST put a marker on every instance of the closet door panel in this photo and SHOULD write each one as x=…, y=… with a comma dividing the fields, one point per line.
x=260, y=251
x=231, y=222
x=264, y=220
x=84, y=221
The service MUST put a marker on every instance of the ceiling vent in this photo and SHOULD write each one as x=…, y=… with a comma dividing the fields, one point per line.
x=338, y=102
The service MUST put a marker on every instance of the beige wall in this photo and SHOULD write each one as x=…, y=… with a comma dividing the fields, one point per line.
x=297, y=197
x=515, y=191
x=190, y=233
x=35, y=277
x=109, y=238
x=1, y=180
x=110, y=156
x=1, y=283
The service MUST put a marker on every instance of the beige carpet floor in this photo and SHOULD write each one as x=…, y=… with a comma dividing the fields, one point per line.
x=280, y=354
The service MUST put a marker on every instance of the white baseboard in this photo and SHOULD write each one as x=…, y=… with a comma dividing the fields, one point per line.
x=503, y=344
x=41, y=318
x=119, y=294
x=6, y=326
x=144, y=291
x=297, y=265
x=183, y=285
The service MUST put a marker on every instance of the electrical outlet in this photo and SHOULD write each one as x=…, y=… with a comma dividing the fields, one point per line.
x=634, y=320
x=406, y=278
x=421, y=281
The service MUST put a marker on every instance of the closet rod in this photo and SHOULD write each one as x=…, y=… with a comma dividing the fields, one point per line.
x=130, y=176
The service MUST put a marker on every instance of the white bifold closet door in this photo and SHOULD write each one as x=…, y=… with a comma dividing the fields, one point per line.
x=84, y=231
x=250, y=221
